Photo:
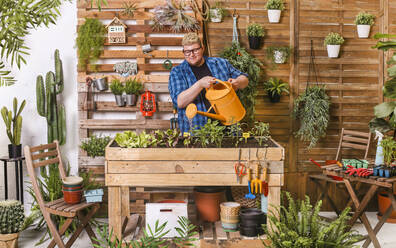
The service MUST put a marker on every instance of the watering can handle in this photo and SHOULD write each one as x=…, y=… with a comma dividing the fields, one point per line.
x=226, y=84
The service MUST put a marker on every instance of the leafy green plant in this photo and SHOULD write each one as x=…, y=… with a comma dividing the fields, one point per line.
x=5, y=79
x=210, y=133
x=364, y=18
x=283, y=50
x=250, y=65
x=389, y=149
x=13, y=122
x=186, y=232
x=116, y=87
x=300, y=226
x=235, y=131
x=312, y=109
x=261, y=132
x=275, y=4
x=131, y=139
x=276, y=86
x=187, y=140
x=255, y=30
x=334, y=39
x=95, y=146
x=221, y=10
x=133, y=87
x=90, y=42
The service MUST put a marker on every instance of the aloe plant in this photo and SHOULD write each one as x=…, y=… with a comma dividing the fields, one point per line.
x=13, y=122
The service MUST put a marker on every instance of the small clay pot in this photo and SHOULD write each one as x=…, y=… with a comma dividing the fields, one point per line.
x=72, y=197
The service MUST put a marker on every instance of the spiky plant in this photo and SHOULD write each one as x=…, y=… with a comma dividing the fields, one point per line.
x=13, y=122
x=12, y=216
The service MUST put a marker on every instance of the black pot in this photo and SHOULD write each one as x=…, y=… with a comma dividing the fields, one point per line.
x=208, y=189
x=251, y=231
x=274, y=97
x=14, y=151
x=254, y=42
x=252, y=217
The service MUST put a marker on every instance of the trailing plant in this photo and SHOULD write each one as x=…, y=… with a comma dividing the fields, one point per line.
x=250, y=65
x=90, y=42
x=300, y=226
x=116, y=87
x=12, y=216
x=384, y=120
x=133, y=87
x=13, y=122
x=275, y=4
x=261, y=132
x=276, y=86
x=389, y=149
x=95, y=146
x=364, y=18
x=219, y=7
x=333, y=39
x=131, y=139
x=174, y=14
x=312, y=109
x=283, y=50
x=210, y=133
x=129, y=9
x=255, y=30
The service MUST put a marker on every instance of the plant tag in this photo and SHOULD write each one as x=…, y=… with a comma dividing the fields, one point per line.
x=186, y=134
x=246, y=136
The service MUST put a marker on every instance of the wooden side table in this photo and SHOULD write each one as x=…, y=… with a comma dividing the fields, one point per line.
x=18, y=176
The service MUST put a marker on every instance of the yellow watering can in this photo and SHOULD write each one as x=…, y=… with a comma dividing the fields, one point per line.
x=224, y=101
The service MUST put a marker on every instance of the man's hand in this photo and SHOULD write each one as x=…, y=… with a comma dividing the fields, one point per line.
x=239, y=83
x=234, y=82
x=206, y=82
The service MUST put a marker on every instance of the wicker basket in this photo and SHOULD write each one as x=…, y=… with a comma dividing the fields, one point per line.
x=230, y=208
x=238, y=193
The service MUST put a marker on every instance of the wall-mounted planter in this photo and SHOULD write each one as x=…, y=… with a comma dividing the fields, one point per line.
x=274, y=15
x=131, y=99
x=279, y=57
x=215, y=15
x=333, y=51
x=119, y=100
x=254, y=42
x=363, y=31
x=100, y=84
x=274, y=98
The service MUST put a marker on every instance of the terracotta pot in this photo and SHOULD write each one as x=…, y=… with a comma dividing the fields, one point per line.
x=65, y=188
x=383, y=204
x=72, y=197
x=208, y=205
x=9, y=240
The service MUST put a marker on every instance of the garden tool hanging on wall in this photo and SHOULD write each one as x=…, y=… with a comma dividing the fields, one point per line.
x=249, y=171
x=174, y=120
x=255, y=184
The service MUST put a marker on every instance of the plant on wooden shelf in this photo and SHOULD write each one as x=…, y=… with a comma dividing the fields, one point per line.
x=274, y=8
x=389, y=150
x=333, y=41
x=364, y=21
x=312, y=108
x=299, y=225
x=278, y=55
x=90, y=41
x=385, y=117
x=12, y=219
x=261, y=132
x=275, y=87
x=13, y=123
x=255, y=33
x=133, y=88
x=217, y=12
x=95, y=145
x=117, y=88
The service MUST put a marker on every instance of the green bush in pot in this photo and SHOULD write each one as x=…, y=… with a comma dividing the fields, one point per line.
x=133, y=88
x=275, y=87
x=95, y=145
x=117, y=88
x=255, y=33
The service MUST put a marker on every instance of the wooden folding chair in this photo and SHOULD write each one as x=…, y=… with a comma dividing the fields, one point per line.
x=49, y=154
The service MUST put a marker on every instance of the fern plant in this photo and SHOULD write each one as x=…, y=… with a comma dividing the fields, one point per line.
x=299, y=226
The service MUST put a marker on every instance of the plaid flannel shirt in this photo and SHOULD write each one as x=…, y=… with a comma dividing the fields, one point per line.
x=181, y=78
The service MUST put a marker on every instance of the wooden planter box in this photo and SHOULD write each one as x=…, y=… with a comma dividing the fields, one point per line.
x=166, y=167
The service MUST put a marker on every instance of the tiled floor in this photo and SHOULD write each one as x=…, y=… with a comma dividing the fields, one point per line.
x=386, y=237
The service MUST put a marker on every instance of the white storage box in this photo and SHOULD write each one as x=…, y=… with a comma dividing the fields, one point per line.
x=165, y=212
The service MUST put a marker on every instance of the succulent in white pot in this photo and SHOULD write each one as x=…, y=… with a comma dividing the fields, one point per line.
x=364, y=21
x=274, y=8
x=278, y=55
x=333, y=42
x=217, y=13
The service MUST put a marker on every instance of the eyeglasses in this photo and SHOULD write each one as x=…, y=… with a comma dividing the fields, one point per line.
x=189, y=52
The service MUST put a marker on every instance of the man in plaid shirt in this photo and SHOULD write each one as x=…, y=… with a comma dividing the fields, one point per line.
x=188, y=81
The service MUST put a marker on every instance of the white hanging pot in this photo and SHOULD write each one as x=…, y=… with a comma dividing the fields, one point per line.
x=215, y=15
x=274, y=15
x=279, y=57
x=333, y=51
x=363, y=31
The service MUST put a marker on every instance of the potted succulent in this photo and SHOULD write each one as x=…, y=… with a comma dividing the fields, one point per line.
x=274, y=8
x=12, y=219
x=217, y=13
x=333, y=41
x=278, y=55
x=275, y=87
x=133, y=89
x=13, y=124
x=255, y=34
x=117, y=88
x=364, y=21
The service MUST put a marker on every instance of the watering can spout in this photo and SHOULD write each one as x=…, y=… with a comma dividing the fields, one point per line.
x=192, y=111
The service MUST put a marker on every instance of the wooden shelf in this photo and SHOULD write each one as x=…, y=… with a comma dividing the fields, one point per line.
x=100, y=124
x=112, y=107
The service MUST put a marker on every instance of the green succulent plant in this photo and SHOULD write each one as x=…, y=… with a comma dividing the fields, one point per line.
x=12, y=216
x=255, y=30
x=334, y=39
x=116, y=87
x=13, y=122
x=276, y=86
x=133, y=87
x=275, y=4
x=364, y=18
x=95, y=146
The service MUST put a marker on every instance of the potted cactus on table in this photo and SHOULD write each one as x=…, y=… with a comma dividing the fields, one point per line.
x=274, y=8
x=13, y=124
x=333, y=41
x=12, y=219
x=364, y=21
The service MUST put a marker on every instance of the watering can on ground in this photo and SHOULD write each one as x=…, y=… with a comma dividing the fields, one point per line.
x=225, y=103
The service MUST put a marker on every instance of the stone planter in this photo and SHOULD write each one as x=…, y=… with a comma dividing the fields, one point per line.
x=215, y=15
x=333, y=51
x=363, y=31
x=279, y=57
x=274, y=15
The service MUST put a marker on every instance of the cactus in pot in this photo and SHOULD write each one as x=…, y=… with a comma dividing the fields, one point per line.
x=12, y=219
x=47, y=102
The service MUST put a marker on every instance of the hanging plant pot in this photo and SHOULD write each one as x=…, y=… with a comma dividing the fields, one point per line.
x=274, y=97
x=254, y=42
x=333, y=51
x=215, y=15
x=100, y=84
x=15, y=151
x=363, y=31
x=274, y=15
x=279, y=57
x=131, y=99
x=119, y=100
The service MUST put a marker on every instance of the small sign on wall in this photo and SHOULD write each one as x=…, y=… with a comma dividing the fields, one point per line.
x=116, y=31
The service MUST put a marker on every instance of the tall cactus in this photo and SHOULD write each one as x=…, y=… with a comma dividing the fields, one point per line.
x=47, y=102
x=13, y=123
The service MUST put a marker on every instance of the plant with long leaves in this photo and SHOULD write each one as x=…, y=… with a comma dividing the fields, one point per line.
x=13, y=122
x=389, y=146
x=186, y=232
x=300, y=226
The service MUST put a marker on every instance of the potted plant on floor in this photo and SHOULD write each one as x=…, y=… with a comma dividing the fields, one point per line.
x=364, y=21
x=133, y=88
x=255, y=33
x=274, y=8
x=14, y=128
x=278, y=55
x=217, y=12
x=275, y=87
x=333, y=41
x=12, y=218
x=117, y=88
